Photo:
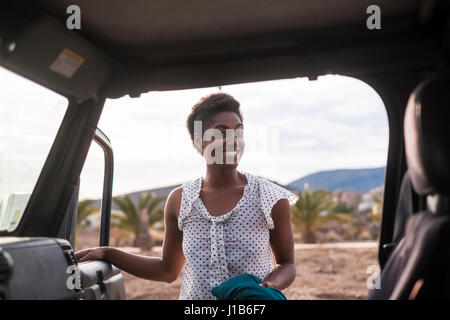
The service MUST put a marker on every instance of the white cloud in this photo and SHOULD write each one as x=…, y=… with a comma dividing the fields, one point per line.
x=293, y=127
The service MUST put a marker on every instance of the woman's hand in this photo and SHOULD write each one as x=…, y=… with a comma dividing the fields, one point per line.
x=98, y=253
x=267, y=284
x=165, y=268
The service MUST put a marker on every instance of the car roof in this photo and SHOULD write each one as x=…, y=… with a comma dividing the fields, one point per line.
x=167, y=45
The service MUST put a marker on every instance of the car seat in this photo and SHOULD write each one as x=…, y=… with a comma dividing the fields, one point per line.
x=419, y=266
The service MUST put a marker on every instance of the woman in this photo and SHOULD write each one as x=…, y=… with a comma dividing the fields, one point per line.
x=221, y=225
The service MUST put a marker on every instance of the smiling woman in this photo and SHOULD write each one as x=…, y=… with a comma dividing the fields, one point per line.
x=219, y=226
x=29, y=123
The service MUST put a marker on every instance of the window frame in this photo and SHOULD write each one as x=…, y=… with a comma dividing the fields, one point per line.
x=57, y=182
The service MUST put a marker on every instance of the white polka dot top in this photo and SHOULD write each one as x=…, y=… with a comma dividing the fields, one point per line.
x=217, y=248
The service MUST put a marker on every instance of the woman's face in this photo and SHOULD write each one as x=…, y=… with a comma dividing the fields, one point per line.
x=223, y=139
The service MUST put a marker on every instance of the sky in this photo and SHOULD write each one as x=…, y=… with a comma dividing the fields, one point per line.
x=292, y=128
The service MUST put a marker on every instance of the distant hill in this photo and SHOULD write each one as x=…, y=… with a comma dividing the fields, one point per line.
x=362, y=180
x=164, y=191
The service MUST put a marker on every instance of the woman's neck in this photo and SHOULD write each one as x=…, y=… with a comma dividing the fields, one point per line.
x=221, y=178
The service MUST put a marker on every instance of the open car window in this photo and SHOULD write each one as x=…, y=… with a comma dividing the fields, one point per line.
x=30, y=116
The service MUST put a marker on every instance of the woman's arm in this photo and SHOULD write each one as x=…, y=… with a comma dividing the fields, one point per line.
x=166, y=268
x=282, y=242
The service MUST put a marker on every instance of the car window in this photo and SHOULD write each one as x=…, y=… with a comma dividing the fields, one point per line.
x=30, y=116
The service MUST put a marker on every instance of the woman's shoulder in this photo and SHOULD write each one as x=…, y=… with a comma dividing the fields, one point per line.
x=191, y=186
x=273, y=190
x=264, y=182
x=173, y=202
x=177, y=193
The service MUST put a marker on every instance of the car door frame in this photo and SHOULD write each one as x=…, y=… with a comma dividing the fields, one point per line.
x=69, y=225
x=394, y=89
x=103, y=141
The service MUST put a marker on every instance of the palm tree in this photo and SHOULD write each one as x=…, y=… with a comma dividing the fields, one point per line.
x=136, y=219
x=84, y=211
x=313, y=209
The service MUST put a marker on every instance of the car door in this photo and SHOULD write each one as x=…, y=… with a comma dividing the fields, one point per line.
x=46, y=268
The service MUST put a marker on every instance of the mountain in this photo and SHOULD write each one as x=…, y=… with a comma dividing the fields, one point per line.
x=362, y=180
x=164, y=191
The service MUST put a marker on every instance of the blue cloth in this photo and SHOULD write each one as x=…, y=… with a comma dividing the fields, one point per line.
x=246, y=287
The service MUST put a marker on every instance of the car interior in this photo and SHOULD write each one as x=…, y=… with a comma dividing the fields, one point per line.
x=130, y=48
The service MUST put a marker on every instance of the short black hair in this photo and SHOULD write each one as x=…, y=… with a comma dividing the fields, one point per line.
x=209, y=106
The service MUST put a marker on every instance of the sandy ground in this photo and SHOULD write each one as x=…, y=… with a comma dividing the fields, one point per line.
x=324, y=271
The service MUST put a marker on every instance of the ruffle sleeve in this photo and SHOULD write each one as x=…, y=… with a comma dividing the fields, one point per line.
x=270, y=193
x=189, y=194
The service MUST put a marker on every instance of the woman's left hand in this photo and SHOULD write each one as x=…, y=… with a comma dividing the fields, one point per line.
x=266, y=284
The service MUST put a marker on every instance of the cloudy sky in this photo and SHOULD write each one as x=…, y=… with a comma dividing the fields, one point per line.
x=292, y=128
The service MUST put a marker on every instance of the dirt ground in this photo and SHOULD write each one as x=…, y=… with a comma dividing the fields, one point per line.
x=322, y=273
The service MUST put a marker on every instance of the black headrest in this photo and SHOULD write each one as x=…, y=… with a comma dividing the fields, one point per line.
x=427, y=136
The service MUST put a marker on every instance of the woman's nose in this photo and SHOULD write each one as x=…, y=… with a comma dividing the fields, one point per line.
x=234, y=141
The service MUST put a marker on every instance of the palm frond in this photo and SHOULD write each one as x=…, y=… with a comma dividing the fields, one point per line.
x=84, y=210
x=155, y=202
x=156, y=216
x=144, y=199
x=307, y=211
x=130, y=220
